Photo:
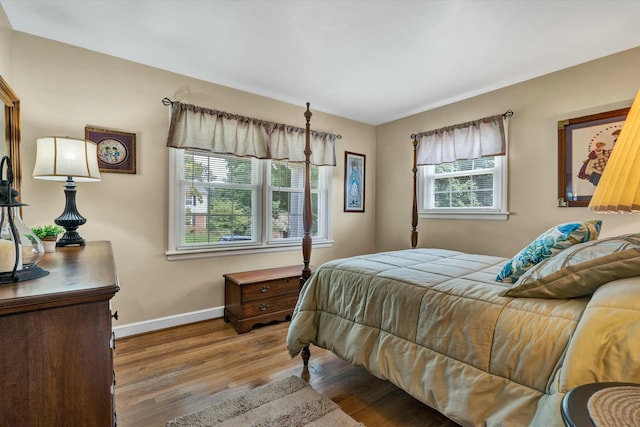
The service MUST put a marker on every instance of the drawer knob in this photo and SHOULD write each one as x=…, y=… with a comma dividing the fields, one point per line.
x=115, y=315
x=263, y=307
x=264, y=289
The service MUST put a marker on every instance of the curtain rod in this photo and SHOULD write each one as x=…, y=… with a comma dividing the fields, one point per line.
x=167, y=102
x=507, y=114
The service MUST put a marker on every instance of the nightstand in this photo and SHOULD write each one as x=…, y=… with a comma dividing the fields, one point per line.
x=575, y=411
x=260, y=296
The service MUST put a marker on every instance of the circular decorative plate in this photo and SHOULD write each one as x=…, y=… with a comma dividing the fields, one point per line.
x=112, y=151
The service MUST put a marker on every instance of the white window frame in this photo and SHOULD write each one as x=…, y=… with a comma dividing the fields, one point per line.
x=426, y=179
x=261, y=228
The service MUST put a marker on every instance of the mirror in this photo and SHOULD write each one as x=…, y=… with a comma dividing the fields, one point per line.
x=10, y=121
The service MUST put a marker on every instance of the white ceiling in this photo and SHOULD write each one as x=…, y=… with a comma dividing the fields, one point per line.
x=372, y=61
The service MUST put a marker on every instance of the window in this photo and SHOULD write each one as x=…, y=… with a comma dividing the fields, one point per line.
x=224, y=202
x=466, y=189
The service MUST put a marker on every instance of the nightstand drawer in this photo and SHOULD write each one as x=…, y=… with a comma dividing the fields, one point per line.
x=269, y=305
x=289, y=285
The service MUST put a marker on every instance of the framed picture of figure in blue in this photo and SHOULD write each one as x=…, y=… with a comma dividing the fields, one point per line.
x=116, y=150
x=354, y=182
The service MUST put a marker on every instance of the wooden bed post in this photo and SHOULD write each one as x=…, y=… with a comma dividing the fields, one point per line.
x=414, y=212
x=306, y=208
x=306, y=217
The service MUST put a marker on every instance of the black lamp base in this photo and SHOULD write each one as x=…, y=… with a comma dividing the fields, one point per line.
x=70, y=238
x=70, y=219
x=29, y=272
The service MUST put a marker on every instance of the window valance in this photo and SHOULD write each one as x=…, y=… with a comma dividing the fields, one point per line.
x=471, y=140
x=225, y=133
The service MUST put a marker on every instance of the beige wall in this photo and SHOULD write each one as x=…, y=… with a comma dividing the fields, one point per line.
x=63, y=88
x=597, y=86
x=6, y=49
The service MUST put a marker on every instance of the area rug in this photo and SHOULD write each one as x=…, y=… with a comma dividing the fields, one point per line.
x=287, y=403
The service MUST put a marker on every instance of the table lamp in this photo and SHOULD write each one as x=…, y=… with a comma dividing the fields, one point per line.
x=67, y=159
x=619, y=187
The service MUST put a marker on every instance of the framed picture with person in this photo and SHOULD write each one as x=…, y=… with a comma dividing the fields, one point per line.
x=354, y=181
x=116, y=150
x=584, y=146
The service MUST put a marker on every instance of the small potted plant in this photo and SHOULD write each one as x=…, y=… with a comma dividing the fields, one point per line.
x=49, y=235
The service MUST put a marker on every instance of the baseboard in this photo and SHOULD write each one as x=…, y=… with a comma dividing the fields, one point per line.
x=167, y=322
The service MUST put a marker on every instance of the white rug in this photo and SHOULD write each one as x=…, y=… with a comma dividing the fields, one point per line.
x=286, y=403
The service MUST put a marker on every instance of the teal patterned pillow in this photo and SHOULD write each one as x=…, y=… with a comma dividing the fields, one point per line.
x=548, y=244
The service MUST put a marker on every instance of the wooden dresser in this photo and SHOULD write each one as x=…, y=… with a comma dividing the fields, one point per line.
x=260, y=296
x=56, y=361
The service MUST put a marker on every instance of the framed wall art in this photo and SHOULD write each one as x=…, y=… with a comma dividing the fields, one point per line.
x=354, y=169
x=584, y=146
x=116, y=150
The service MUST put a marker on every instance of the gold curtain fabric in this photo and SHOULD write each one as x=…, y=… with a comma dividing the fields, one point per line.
x=225, y=133
x=471, y=140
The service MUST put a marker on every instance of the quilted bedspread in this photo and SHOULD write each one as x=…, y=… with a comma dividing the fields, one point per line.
x=433, y=322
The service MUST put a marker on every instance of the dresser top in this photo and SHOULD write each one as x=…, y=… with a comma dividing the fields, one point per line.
x=76, y=274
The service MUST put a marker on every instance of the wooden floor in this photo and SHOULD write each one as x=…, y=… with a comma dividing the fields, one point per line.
x=165, y=374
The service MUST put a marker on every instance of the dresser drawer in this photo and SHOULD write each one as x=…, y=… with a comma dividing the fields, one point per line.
x=269, y=305
x=289, y=285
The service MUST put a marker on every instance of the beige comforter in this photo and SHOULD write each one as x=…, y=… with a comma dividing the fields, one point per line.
x=433, y=323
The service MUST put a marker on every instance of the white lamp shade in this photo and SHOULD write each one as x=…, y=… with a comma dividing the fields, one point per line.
x=60, y=157
x=619, y=187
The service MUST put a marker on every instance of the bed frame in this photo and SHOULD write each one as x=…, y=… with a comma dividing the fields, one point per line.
x=307, y=212
x=528, y=394
x=306, y=217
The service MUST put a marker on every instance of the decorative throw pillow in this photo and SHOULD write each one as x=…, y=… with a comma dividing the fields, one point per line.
x=579, y=270
x=548, y=244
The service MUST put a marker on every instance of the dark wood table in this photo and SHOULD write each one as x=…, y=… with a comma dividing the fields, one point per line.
x=575, y=412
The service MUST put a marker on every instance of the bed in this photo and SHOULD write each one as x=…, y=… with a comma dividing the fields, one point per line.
x=480, y=338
